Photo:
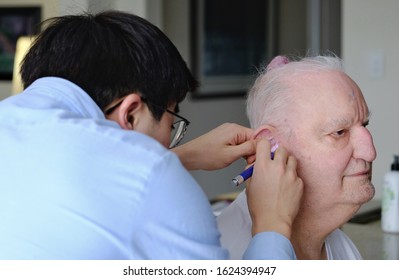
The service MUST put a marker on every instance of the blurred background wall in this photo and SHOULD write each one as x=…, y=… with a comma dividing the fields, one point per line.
x=363, y=32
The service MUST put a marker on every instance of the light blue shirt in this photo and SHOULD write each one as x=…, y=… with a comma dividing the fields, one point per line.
x=74, y=185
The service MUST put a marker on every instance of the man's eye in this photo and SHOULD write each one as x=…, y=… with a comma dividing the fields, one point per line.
x=339, y=133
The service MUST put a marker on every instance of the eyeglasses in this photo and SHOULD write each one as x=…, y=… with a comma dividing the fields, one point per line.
x=179, y=127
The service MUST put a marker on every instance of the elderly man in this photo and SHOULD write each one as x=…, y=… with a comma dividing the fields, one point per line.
x=318, y=113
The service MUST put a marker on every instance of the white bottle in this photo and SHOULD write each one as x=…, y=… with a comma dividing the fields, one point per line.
x=390, y=199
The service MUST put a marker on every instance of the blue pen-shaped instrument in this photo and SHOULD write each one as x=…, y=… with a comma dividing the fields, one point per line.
x=245, y=175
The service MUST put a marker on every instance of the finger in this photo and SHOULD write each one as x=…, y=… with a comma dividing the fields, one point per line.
x=263, y=149
x=292, y=163
x=262, y=153
x=241, y=134
x=251, y=159
x=281, y=155
x=245, y=149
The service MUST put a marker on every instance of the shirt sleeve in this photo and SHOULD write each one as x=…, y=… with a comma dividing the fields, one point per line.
x=269, y=246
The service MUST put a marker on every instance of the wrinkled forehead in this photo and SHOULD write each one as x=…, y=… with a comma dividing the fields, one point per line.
x=328, y=84
x=318, y=94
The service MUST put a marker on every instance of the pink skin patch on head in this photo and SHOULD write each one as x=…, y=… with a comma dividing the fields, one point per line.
x=277, y=62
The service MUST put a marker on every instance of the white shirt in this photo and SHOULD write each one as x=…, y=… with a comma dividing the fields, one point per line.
x=235, y=224
x=74, y=185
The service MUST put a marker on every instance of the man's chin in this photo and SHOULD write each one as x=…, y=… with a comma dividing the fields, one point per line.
x=369, y=192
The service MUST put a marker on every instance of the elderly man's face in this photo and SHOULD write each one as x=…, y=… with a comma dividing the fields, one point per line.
x=330, y=139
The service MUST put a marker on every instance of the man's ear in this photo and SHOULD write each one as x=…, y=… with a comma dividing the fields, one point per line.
x=129, y=110
x=265, y=131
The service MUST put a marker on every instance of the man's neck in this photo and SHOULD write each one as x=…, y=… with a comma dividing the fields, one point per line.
x=311, y=229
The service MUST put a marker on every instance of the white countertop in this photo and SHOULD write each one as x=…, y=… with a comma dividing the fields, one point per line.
x=372, y=242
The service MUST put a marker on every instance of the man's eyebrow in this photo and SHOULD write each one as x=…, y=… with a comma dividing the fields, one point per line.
x=343, y=122
x=334, y=124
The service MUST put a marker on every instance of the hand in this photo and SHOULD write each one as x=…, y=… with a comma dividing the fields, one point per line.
x=274, y=191
x=218, y=148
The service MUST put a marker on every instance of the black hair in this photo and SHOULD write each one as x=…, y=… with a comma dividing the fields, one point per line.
x=110, y=55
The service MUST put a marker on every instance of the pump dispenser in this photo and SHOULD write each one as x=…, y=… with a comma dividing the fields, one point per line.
x=395, y=164
x=390, y=199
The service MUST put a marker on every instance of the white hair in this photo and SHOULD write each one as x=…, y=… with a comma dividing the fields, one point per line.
x=271, y=91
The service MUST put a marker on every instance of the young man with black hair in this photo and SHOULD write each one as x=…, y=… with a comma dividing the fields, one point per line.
x=89, y=167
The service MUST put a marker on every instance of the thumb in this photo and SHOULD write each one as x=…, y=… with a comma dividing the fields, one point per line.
x=245, y=150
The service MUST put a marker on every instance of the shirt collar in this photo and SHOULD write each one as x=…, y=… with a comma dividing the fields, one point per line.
x=68, y=93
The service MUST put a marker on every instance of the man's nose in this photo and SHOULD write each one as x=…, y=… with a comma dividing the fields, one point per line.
x=364, y=145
